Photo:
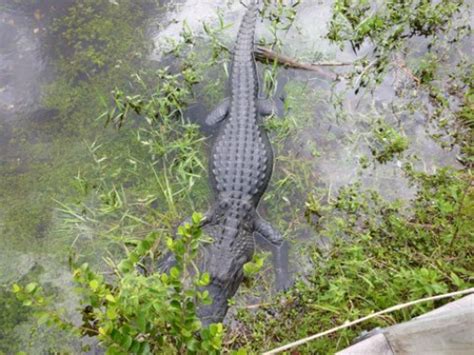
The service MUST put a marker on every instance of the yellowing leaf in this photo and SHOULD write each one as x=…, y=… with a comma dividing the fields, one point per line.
x=110, y=298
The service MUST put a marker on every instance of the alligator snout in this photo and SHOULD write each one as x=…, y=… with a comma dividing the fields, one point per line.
x=224, y=261
x=220, y=293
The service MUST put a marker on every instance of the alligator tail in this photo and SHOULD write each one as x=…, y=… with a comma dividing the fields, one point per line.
x=243, y=51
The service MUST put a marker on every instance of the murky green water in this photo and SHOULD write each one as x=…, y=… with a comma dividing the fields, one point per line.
x=59, y=60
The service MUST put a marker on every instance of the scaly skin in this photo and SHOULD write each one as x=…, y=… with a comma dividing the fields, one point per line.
x=241, y=165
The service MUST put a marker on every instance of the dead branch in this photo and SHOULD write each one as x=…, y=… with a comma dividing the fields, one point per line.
x=264, y=54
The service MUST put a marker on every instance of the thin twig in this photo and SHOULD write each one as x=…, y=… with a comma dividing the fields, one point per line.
x=360, y=320
x=257, y=305
x=263, y=54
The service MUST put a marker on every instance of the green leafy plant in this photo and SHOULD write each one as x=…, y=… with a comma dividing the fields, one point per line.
x=255, y=265
x=386, y=142
x=387, y=25
x=135, y=313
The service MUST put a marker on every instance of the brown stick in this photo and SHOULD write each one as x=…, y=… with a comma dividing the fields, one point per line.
x=257, y=305
x=263, y=54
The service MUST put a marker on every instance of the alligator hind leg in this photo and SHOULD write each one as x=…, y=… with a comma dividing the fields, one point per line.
x=279, y=250
x=219, y=113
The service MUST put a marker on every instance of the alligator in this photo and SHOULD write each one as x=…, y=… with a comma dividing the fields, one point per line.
x=240, y=167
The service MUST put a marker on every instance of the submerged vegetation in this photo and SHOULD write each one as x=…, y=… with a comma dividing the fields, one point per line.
x=88, y=63
x=50, y=148
x=355, y=249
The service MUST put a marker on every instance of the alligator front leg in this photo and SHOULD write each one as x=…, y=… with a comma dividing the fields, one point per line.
x=219, y=113
x=268, y=107
x=279, y=250
x=169, y=260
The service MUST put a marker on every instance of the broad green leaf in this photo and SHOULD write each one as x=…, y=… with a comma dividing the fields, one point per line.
x=125, y=266
x=94, y=285
x=31, y=287
x=110, y=298
x=174, y=272
x=197, y=218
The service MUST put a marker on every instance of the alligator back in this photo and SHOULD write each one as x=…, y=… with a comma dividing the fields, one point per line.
x=242, y=160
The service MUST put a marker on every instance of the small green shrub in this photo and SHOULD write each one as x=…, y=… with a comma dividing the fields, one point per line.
x=134, y=313
x=386, y=142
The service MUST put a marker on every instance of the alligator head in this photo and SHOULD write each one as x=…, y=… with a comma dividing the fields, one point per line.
x=233, y=245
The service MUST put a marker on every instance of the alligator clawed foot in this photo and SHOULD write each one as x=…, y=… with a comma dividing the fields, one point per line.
x=283, y=279
x=279, y=248
x=284, y=284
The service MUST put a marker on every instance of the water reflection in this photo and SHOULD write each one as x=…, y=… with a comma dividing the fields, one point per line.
x=21, y=64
